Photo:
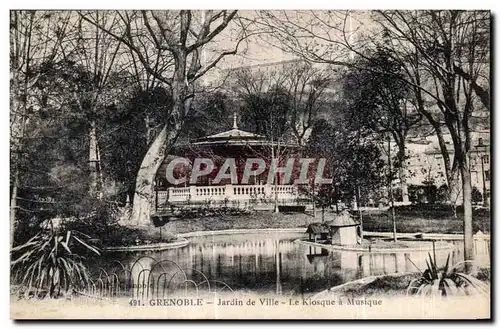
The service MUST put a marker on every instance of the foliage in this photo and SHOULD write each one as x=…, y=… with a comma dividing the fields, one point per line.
x=200, y=212
x=56, y=146
x=381, y=103
x=476, y=195
x=127, y=129
x=447, y=281
x=352, y=161
x=52, y=262
x=266, y=113
x=211, y=113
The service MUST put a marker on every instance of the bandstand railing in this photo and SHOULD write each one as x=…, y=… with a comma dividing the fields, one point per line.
x=225, y=193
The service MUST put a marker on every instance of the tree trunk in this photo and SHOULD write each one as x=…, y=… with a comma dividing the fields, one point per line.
x=404, y=184
x=467, y=202
x=18, y=102
x=13, y=207
x=94, y=163
x=402, y=170
x=314, y=202
x=144, y=191
x=358, y=197
x=455, y=195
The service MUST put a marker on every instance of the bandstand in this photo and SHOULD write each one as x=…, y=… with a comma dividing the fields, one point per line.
x=256, y=193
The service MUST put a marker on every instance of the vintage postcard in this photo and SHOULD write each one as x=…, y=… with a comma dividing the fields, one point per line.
x=253, y=164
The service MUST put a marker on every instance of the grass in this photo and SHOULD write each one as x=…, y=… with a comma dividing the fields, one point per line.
x=387, y=285
x=131, y=236
x=394, y=285
x=256, y=220
x=423, y=222
x=376, y=221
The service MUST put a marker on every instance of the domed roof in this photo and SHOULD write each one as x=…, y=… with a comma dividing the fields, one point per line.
x=233, y=133
x=233, y=136
x=237, y=137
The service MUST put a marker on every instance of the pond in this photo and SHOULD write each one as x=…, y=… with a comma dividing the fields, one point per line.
x=274, y=263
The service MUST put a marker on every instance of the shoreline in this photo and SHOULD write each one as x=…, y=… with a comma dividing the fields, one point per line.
x=377, y=249
x=184, y=241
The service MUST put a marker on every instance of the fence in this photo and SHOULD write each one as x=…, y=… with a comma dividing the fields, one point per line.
x=149, y=278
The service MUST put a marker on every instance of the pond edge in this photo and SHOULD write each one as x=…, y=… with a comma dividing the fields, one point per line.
x=376, y=250
x=184, y=242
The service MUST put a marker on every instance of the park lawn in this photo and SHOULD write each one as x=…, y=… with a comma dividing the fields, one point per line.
x=255, y=220
x=393, y=284
x=423, y=223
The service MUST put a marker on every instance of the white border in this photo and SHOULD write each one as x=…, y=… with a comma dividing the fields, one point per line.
x=255, y=4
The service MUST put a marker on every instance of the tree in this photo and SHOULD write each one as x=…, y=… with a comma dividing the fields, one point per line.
x=381, y=103
x=445, y=56
x=183, y=37
x=354, y=161
x=31, y=32
x=308, y=87
x=445, y=43
x=302, y=86
x=267, y=112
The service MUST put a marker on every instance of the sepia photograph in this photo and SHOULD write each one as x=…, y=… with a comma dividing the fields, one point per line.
x=250, y=164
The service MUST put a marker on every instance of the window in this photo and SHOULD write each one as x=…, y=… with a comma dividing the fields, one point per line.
x=486, y=159
x=487, y=175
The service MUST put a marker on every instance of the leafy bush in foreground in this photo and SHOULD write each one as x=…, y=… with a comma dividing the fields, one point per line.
x=51, y=262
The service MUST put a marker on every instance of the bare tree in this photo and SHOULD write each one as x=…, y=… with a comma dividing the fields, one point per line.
x=308, y=89
x=445, y=41
x=445, y=55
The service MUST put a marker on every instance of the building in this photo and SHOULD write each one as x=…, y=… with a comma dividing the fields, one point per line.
x=425, y=164
x=343, y=229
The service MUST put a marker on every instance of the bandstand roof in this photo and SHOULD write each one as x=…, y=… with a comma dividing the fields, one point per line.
x=237, y=137
x=233, y=134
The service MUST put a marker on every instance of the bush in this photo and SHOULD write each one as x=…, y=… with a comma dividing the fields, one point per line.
x=52, y=262
x=476, y=195
x=446, y=282
x=433, y=209
x=292, y=208
x=188, y=213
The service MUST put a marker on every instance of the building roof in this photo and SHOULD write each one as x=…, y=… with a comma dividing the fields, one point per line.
x=341, y=220
x=238, y=137
x=317, y=228
x=234, y=133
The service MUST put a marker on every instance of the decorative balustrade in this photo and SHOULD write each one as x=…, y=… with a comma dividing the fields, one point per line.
x=228, y=193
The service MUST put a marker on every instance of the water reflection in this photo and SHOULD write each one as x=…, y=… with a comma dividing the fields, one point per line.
x=273, y=262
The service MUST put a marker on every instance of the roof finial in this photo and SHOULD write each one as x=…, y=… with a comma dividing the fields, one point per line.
x=235, y=124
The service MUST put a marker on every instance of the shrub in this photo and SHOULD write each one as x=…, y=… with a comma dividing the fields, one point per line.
x=187, y=213
x=52, y=262
x=446, y=282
